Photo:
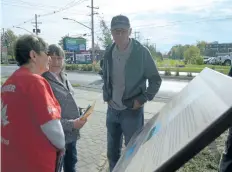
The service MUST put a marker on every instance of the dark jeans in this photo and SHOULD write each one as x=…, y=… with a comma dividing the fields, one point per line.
x=125, y=122
x=70, y=157
x=226, y=159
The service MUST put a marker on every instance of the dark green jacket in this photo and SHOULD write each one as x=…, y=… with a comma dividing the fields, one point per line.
x=140, y=66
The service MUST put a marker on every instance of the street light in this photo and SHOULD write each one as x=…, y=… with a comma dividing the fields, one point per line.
x=23, y=29
x=78, y=23
x=92, y=37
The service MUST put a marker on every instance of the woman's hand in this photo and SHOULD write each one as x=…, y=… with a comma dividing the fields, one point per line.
x=79, y=123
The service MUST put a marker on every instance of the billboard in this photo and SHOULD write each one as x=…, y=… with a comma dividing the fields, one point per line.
x=74, y=44
x=83, y=59
x=195, y=117
x=78, y=58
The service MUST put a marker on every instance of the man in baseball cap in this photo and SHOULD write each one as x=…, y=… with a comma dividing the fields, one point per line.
x=120, y=29
x=127, y=64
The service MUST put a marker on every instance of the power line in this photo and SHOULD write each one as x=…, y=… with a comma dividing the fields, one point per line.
x=182, y=22
x=28, y=5
x=185, y=21
x=63, y=9
x=39, y=6
x=69, y=5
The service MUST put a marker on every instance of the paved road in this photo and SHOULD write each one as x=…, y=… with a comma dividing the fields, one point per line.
x=93, y=81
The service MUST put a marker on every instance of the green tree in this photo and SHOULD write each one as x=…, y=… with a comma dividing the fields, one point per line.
x=10, y=39
x=177, y=51
x=152, y=50
x=201, y=45
x=105, y=37
x=192, y=55
x=61, y=41
x=155, y=54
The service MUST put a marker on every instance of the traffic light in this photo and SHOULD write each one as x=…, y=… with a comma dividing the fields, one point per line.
x=38, y=31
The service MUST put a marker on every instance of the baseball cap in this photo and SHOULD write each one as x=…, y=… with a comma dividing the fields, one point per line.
x=120, y=22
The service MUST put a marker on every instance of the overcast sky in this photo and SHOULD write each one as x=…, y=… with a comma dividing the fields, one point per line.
x=165, y=23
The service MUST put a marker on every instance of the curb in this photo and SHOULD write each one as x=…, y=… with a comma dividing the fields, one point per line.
x=171, y=77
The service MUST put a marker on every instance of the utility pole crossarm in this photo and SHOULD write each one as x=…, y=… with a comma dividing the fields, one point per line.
x=136, y=34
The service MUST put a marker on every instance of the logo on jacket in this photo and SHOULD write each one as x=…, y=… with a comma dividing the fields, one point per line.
x=4, y=117
x=51, y=110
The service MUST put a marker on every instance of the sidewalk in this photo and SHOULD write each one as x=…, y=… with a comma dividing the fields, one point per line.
x=92, y=145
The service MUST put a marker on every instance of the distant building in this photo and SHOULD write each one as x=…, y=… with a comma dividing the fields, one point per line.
x=219, y=49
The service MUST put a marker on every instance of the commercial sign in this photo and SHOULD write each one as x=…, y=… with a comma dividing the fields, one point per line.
x=83, y=59
x=78, y=58
x=74, y=44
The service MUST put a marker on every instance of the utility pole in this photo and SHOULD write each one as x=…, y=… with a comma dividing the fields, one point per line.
x=2, y=40
x=36, y=25
x=36, y=30
x=4, y=44
x=147, y=41
x=92, y=32
x=136, y=34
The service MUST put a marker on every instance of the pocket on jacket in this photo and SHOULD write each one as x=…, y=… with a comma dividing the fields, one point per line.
x=129, y=103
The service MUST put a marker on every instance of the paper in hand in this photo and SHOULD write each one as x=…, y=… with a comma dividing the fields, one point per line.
x=88, y=111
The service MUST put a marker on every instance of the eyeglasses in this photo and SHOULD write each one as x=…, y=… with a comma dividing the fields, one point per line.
x=58, y=58
x=119, y=32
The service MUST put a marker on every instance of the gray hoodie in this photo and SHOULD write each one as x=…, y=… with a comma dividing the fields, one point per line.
x=63, y=92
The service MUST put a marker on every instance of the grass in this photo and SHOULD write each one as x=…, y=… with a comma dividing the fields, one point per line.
x=76, y=85
x=3, y=79
x=193, y=70
x=171, y=65
x=207, y=160
x=167, y=64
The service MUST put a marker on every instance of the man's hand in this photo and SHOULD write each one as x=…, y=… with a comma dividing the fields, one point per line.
x=108, y=101
x=137, y=105
x=79, y=123
x=62, y=152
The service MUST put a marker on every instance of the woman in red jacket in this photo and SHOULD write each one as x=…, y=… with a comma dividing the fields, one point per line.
x=31, y=132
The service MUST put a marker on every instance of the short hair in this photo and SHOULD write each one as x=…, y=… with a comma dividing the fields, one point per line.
x=54, y=49
x=25, y=44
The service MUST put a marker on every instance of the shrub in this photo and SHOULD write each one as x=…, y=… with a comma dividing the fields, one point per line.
x=189, y=74
x=167, y=72
x=75, y=67
x=199, y=60
x=84, y=68
x=89, y=67
x=177, y=72
x=68, y=67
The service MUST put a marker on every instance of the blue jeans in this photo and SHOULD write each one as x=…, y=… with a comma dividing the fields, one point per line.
x=226, y=159
x=70, y=157
x=119, y=122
